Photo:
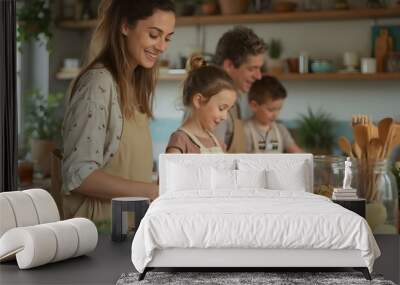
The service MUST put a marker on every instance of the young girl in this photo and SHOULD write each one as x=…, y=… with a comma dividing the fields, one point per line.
x=208, y=93
x=106, y=137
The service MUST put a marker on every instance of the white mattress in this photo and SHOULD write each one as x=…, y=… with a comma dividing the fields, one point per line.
x=252, y=218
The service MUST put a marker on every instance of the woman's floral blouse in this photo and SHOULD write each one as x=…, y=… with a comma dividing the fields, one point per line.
x=92, y=127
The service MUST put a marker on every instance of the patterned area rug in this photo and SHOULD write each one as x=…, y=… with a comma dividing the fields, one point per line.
x=270, y=278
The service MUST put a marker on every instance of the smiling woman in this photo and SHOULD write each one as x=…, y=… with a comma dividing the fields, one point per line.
x=106, y=138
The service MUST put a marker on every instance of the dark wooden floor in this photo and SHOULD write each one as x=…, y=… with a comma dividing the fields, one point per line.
x=110, y=260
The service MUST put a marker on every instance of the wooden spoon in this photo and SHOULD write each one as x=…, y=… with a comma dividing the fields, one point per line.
x=356, y=150
x=374, y=149
x=384, y=126
x=361, y=138
x=345, y=146
x=392, y=140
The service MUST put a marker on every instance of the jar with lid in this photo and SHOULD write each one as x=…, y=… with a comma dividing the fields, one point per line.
x=328, y=174
x=381, y=193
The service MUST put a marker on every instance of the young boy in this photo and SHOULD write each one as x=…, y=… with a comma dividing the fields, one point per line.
x=262, y=133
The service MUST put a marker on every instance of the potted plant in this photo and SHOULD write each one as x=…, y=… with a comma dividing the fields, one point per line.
x=186, y=7
x=34, y=21
x=315, y=132
x=42, y=126
x=274, y=62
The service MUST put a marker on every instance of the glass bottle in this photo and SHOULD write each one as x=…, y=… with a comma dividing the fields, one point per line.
x=303, y=62
x=382, y=197
x=328, y=174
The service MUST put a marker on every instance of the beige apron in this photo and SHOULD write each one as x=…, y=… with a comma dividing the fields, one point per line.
x=214, y=149
x=275, y=146
x=133, y=161
x=238, y=144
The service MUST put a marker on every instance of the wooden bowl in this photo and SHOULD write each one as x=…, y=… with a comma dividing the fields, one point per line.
x=284, y=6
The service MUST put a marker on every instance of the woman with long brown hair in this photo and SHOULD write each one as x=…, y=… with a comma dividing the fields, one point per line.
x=106, y=138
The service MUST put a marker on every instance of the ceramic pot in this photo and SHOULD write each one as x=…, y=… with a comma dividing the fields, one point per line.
x=231, y=7
x=41, y=155
x=293, y=64
x=25, y=173
x=275, y=66
x=209, y=8
x=284, y=6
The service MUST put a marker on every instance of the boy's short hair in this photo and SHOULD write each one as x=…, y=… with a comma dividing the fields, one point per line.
x=268, y=87
x=237, y=44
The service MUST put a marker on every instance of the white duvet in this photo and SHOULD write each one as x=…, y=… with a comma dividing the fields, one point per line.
x=252, y=218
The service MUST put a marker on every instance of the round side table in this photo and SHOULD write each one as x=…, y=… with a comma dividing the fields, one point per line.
x=120, y=208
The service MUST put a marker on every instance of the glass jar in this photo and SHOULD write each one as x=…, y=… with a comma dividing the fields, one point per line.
x=328, y=174
x=382, y=197
x=312, y=5
x=393, y=62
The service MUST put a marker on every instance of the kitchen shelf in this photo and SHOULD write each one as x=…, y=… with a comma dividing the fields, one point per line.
x=339, y=76
x=315, y=76
x=297, y=16
x=66, y=75
x=283, y=77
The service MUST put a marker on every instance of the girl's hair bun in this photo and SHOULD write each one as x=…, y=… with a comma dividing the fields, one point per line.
x=195, y=61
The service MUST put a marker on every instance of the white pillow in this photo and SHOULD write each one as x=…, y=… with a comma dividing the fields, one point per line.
x=187, y=177
x=281, y=174
x=293, y=179
x=224, y=179
x=251, y=178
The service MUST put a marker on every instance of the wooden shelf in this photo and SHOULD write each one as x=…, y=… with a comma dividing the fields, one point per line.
x=66, y=75
x=314, y=76
x=283, y=77
x=72, y=24
x=172, y=77
x=339, y=76
x=297, y=16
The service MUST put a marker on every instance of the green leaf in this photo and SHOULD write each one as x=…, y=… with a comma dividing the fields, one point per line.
x=42, y=115
x=315, y=130
x=34, y=19
x=275, y=48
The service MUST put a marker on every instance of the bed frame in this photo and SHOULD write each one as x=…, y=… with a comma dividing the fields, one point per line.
x=246, y=258
x=242, y=259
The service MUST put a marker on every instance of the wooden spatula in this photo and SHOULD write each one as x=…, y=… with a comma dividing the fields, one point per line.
x=345, y=146
x=392, y=140
x=374, y=149
x=384, y=126
x=361, y=138
x=356, y=150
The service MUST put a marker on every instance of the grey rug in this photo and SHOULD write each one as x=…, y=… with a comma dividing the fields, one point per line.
x=270, y=278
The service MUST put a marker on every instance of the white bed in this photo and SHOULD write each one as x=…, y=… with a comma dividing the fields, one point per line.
x=241, y=210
